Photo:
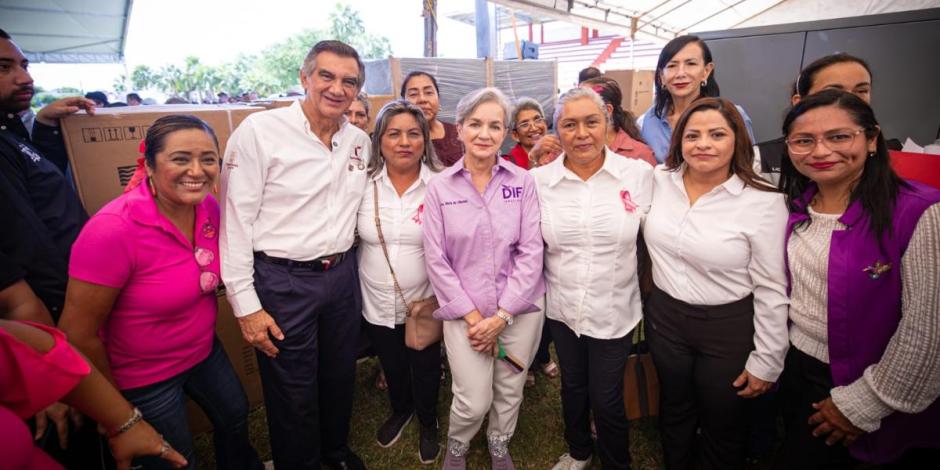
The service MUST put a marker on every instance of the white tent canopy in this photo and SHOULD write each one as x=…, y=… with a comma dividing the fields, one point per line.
x=64, y=31
x=662, y=20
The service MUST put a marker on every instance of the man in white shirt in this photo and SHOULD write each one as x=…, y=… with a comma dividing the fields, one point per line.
x=291, y=186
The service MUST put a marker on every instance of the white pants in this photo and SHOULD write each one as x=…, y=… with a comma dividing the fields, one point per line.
x=484, y=384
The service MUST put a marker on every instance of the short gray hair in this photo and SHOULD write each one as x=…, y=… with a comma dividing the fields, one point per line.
x=525, y=104
x=391, y=109
x=339, y=48
x=469, y=103
x=575, y=94
x=363, y=98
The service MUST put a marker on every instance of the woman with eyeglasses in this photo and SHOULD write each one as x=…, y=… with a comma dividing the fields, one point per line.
x=862, y=375
x=141, y=301
x=534, y=145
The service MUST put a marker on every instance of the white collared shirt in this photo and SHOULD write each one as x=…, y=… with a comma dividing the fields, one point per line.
x=401, y=218
x=590, y=230
x=724, y=247
x=287, y=194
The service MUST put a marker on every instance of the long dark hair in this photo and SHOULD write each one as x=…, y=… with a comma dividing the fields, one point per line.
x=663, y=98
x=418, y=73
x=742, y=162
x=157, y=133
x=804, y=81
x=609, y=90
x=877, y=188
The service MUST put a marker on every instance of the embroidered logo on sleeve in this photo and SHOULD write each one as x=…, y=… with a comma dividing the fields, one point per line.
x=417, y=218
x=26, y=150
x=876, y=270
x=511, y=192
x=628, y=204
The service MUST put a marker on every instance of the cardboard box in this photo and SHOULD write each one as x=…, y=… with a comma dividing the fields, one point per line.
x=103, y=149
x=242, y=356
x=637, y=88
x=375, y=104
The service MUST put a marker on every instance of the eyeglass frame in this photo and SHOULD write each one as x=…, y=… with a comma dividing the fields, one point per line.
x=526, y=125
x=819, y=140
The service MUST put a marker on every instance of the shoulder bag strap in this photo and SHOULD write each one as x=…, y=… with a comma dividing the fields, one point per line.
x=378, y=228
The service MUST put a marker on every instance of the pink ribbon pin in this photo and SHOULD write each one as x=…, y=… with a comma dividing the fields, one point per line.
x=417, y=217
x=628, y=203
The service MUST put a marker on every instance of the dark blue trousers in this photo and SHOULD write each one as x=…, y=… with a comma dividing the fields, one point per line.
x=214, y=386
x=308, y=387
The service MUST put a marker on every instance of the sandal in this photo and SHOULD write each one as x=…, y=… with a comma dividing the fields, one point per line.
x=380, y=382
x=551, y=369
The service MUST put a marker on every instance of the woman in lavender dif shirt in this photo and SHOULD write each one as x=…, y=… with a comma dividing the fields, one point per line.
x=483, y=247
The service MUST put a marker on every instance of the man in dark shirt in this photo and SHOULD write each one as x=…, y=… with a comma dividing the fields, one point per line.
x=41, y=217
x=46, y=214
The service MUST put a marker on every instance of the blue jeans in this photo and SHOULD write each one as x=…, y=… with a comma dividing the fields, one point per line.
x=213, y=385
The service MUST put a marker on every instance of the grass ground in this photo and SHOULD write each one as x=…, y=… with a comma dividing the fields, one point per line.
x=536, y=446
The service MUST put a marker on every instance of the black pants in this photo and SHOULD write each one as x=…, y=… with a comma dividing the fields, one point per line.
x=699, y=351
x=542, y=356
x=308, y=387
x=807, y=380
x=592, y=382
x=413, y=377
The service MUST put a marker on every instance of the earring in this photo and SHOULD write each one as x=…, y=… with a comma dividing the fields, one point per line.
x=153, y=189
x=704, y=82
x=871, y=154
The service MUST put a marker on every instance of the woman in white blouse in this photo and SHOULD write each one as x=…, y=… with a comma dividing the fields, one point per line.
x=592, y=202
x=400, y=169
x=717, y=315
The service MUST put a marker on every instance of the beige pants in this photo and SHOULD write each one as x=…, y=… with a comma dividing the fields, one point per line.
x=483, y=384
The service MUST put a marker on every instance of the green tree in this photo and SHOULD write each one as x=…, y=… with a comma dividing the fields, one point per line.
x=346, y=25
x=274, y=70
x=143, y=77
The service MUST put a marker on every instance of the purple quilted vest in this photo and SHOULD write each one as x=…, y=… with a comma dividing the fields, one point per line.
x=865, y=309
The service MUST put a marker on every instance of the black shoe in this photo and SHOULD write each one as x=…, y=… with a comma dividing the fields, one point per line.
x=392, y=429
x=351, y=462
x=428, y=447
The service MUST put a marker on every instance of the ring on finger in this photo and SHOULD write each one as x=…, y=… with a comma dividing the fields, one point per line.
x=164, y=448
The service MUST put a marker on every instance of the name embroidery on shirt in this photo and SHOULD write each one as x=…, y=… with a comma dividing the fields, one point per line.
x=35, y=157
x=355, y=160
x=417, y=218
x=454, y=203
x=628, y=204
x=511, y=192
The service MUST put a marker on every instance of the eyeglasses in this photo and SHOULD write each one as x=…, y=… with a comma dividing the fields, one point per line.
x=837, y=140
x=208, y=280
x=524, y=126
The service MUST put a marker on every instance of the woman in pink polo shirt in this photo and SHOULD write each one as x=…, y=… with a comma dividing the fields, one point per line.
x=141, y=300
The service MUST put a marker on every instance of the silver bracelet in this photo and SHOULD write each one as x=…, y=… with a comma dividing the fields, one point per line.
x=135, y=418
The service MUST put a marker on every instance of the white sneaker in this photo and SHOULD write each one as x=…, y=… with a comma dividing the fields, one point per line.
x=567, y=462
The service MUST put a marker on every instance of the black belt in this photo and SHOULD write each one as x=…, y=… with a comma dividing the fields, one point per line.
x=323, y=263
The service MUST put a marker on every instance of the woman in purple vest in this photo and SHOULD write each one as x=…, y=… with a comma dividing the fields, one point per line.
x=862, y=377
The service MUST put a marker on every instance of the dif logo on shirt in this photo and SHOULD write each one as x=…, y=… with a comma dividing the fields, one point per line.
x=511, y=192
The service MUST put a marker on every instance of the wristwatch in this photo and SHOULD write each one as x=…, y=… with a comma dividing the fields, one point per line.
x=504, y=316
